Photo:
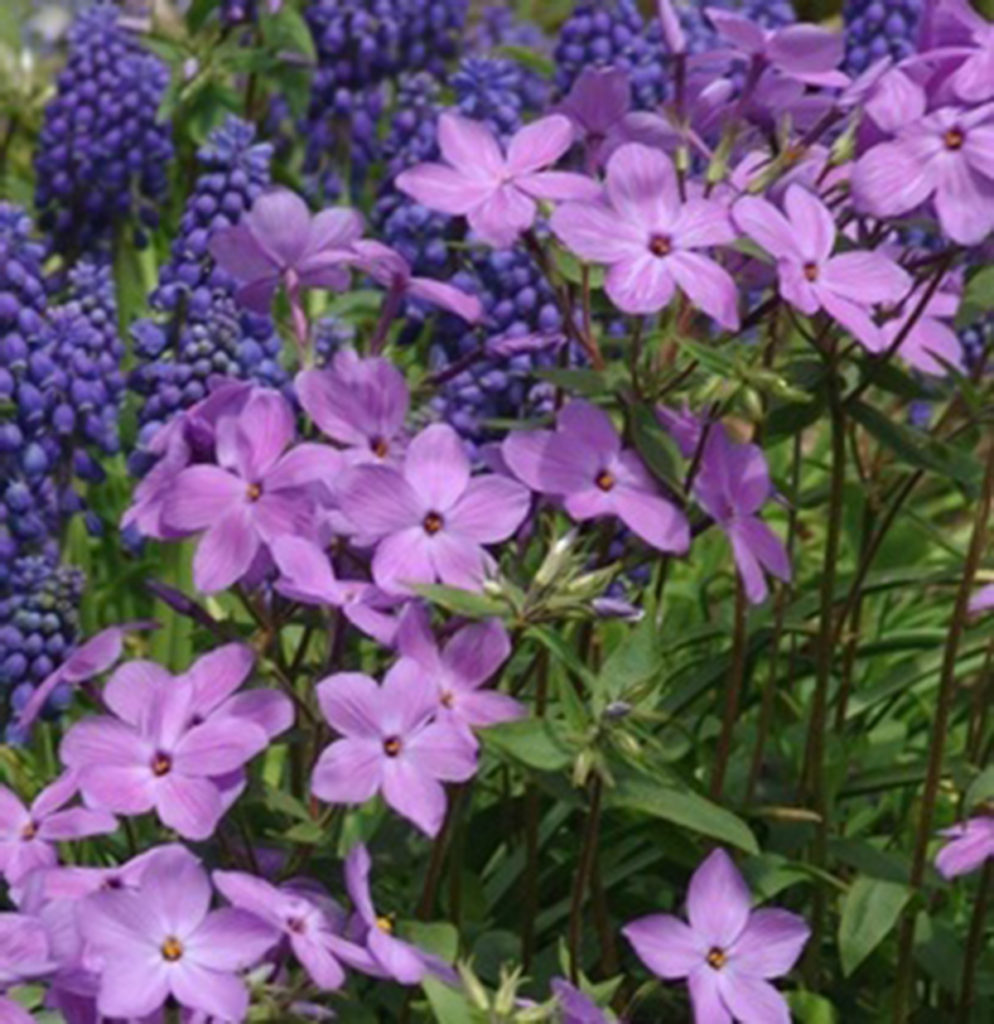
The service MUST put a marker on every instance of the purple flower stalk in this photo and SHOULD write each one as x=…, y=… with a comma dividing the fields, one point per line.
x=460, y=668
x=392, y=742
x=846, y=286
x=27, y=834
x=164, y=940
x=258, y=491
x=497, y=194
x=649, y=238
x=728, y=952
x=582, y=462
x=970, y=844
x=278, y=244
x=429, y=519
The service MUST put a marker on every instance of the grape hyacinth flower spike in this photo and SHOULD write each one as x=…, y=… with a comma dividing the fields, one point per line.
x=970, y=844
x=164, y=940
x=279, y=244
x=649, y=238
x=583, y=463
x=496, y=193
x=392, y=743
x=27, y=834
x=429, y=519
x=846, y=286
x=728, y=952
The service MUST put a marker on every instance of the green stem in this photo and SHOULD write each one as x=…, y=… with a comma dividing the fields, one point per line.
x=815, y=776
x=733, y=693
x=582, y=880
x=940, y=728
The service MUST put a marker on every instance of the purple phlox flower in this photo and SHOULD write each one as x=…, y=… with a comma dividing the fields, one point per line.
x=171, y=745
x=257, y=492
x=947, y=156
x=931, y=344
x=970, y=844
x=186, y=438
x=392, y=742
x=598, y=106
x=278, y=243
x=732, y=484
x=649, y=238
x=92, y=657
x=575, y=1007
x=846, y=286
x=27, y=833
x=961, y=41
x=396, y=959
x=303, y=920
x=391, y=270
x=164, y=940
x=24, y=956
x=982, y=600
x=728, y=952
x=495, y=193
x=307, y=575
x=429, y=518
x=583, y=463
x=359, y=403
x=805, y=52
x=460, y=668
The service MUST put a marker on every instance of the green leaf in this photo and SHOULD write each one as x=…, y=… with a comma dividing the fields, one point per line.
x=633, y=661
x=308, y=832
x=577, y=382
x=531, y=59
x=685, y=808
x=870, y=910
x=657, y=448
x=448, y=1005
x=978, y=297
x=916, y=448
x=981, y=790
x=438, y=937
x=462, y=602
x=532, y=741
x=808, y=1008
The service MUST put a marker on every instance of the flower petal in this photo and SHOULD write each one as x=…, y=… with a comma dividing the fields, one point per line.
x=490, y=509
x=225, y=552
x=752, y=1000
x=436, y=467
x=667, y=946
x=642, y=187
x=771, y=943
x=539, y=144
x=349, y=771
x=351, y=704
x=718, y=901
x=594, y=232
x=469, y=146
x=414, y=794
x=640, y=284
x=441, y=188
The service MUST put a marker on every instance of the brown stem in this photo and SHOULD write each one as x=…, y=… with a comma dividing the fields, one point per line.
x=582, y=880
x=940, y=727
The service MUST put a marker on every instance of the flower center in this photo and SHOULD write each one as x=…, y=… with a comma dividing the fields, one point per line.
x=447, y=699
x=433, y=522
x=954, y=138
x=296, y=925
x=660, y=245
x=161, y=764
x=811, y=271
x=391, y=746
x=29, y=831
x=172, y=949
x=253, y=492
x=379, y=447
x=604, y=480
x=385, y=924
x=717, y=958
